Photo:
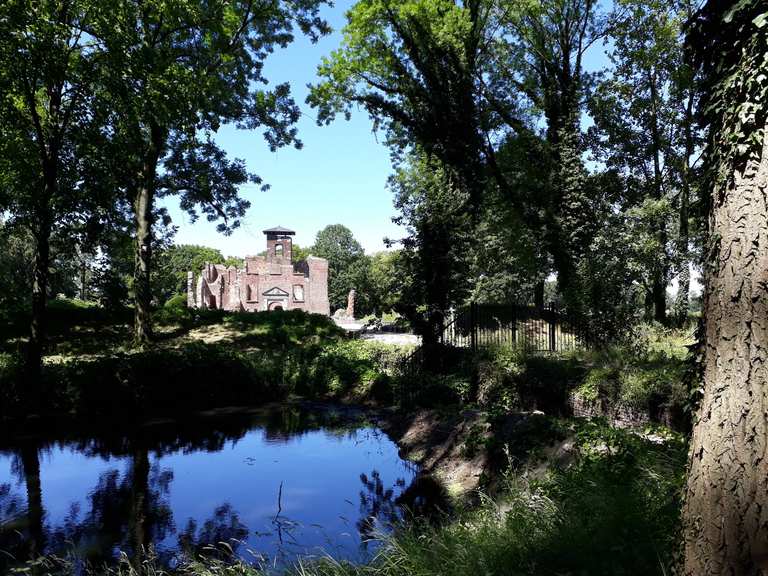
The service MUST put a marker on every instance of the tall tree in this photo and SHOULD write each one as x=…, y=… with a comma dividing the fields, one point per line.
x=543, y=50
x=725, y=524
x=413, y=65
x=347, y=262
x=643, y=130
x=434, y=257
x=47, y=69
x=417, y=67
x=689, y=140
x=177, y=71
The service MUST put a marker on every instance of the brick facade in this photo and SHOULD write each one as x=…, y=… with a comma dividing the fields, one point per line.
x=264, y=283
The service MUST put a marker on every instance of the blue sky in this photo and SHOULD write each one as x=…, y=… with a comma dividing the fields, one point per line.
x=339, y=177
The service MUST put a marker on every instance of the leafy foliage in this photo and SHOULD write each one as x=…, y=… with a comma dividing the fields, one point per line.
x=735, y=85
x=173, y=264
x=347, y=265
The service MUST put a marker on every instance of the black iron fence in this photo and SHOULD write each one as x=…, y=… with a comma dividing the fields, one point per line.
x=535, y=329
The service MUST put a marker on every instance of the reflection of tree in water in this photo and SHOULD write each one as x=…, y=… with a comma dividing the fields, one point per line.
x=377, y=505
x=13, y=523
x=127, y=514
x=223, y=528
x=288, y=422
x=283, y=424
x=22, y=530
x=423, y=498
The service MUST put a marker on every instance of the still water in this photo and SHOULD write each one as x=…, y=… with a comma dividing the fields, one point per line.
x=273, y=485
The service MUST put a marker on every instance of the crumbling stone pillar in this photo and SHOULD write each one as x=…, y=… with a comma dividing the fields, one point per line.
x=351, y=303
x=200, y=302
x=190, y=289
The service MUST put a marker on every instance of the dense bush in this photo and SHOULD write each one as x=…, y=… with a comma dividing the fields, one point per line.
x=646, y=381
x=647, y=378
x=200, y=376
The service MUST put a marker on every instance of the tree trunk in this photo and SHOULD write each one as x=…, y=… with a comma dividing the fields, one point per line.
x=142, y=210
x=726, y=509
x=538, y=294
x=38, y=324
x=83, y=278
x=682, y=302
x=142, y=324
x=660, y=271
x=659, y=296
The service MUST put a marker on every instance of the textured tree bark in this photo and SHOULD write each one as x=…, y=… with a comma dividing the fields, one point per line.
x=37, y=328
x=142, y=210
x=726, y=509
x=143, y=257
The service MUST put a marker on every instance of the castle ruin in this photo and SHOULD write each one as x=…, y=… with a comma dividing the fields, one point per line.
x=270, y=282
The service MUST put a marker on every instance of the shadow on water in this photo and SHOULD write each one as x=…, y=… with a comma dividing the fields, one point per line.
x=208, y=486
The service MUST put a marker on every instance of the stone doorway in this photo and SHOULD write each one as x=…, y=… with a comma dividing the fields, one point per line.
x=276, y=305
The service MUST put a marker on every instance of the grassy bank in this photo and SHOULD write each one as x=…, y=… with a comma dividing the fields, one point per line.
x=206, y=359
x=200, y=360
x=613, y=510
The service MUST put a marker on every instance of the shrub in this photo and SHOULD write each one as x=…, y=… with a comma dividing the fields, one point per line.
x=175, y=311
x=511, y=377
x=648, y=381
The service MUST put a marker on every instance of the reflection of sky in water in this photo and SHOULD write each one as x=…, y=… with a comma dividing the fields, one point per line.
x=322, y=491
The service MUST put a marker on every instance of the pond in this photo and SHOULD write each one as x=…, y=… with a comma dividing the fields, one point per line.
x=273, y=485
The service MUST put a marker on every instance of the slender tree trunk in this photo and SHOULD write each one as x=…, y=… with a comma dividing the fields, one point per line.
x=682, y=302
x=143, y=258
x=660, y=271
x=38, y=324
x=435, y=263
x=30, y=462
x=142, y=210
x=538, y=294
x=83, y=275
x=659, y=296
x=726, y=509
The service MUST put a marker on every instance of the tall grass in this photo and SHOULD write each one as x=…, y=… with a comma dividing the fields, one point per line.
x=613, y=512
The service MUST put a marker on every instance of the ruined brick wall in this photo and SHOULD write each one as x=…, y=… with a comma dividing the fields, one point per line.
x=264, y=282
x=268, y=281
x=279, y=249
x=318, y=289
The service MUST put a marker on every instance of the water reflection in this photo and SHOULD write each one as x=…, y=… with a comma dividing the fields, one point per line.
x=267, y=486
x=219, y=536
